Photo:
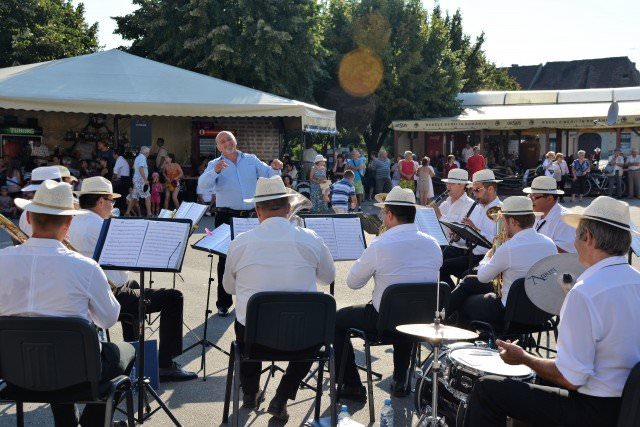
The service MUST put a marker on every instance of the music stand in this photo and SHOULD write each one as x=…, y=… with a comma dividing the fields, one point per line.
x=471, y=236
x=106, y=254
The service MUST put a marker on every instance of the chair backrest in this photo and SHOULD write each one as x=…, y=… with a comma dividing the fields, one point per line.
x=45, y=354
x=629, y=408
x=520, y=309
x=290, y=321
x=405, y=303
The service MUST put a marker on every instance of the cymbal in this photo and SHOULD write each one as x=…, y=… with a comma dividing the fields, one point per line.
x=546, y=279
x=436, y=333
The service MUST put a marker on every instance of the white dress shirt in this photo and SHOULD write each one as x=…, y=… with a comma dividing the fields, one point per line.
x=557, y=230
x=515, y=257
x=122, y=168
x=83, y=235
x=140, y=162
x=43, y=278
x=402, y=254
x=454, y=212
x=466, y=153
x=275, y=256
x=633, y=159
x=618, y=164
x=483, y=223
x=24, y=224
x=597, y=337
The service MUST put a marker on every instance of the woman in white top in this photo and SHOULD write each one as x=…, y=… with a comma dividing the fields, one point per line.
x=560, y=172
x=425, y=185
x=548, y=163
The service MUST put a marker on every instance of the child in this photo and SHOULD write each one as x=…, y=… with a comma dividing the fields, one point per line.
x=7, y=208
x=133, y=208
x=344, y=191
x=156, y=189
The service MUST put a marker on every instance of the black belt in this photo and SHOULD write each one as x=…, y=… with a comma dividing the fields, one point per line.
x=236, y=213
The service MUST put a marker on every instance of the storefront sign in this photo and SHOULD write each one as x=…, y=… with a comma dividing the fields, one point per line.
x=20, y=131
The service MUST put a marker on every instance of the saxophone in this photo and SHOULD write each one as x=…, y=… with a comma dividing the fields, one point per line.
x=19, y=236
x=501, y=236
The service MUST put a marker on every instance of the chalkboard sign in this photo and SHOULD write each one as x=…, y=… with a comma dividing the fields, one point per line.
x=140, y=132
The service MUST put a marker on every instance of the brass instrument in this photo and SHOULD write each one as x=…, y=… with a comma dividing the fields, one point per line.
x=20, y=237
x=494, y=213
x=298, y=203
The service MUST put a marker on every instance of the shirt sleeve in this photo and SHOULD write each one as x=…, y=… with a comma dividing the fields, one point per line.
x=576, y=342
x=489, y=268
x=229, y=277
x=207, y=181
x=363, y=269
x=104, y=309
x=326, y=271
x=264, y=170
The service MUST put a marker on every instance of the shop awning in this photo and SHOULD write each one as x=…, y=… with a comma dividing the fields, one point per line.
x=115, y=82
x=565, y=109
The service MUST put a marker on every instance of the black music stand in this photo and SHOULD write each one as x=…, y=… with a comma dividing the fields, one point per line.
x=471, y=236
x=143, y=382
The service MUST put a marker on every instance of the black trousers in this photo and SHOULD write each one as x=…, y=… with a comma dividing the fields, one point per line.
x=474, y=300
x=494, y=398
x=121, y=186
x=224, y=216
x=455, y=262
x=250, y=371
x=365, y=318
x=169, y=303
x=117, y=359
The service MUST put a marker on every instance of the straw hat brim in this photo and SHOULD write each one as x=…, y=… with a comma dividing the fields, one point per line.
x=522, y=213
x=529, y=190
x=455, y=181
x=573, y=219
x=29, y=188
x=103, y=193
x=398, y=203
x=289, y=193
x=29, y=206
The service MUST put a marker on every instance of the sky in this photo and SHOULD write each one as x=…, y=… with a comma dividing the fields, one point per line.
x=516, y=31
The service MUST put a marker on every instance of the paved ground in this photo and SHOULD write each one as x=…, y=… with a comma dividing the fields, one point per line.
x=199, y=403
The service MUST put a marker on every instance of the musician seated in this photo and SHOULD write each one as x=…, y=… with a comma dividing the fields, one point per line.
x=455, y=208
x=96, y=201
x=274, y=256
x=475, y=298
x=456, y=259
x=402, y=254
x=597, y=346
x=544, y=194
x=41, y=277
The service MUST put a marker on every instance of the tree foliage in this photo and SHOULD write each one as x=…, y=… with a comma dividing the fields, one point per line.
x=42, y=30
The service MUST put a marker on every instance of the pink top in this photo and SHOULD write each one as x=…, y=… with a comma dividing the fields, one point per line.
x=407, y=167
x=156, y=188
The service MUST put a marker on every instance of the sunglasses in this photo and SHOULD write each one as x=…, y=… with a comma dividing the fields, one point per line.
x=534, y=198
x=477, y=190
x=110, y=199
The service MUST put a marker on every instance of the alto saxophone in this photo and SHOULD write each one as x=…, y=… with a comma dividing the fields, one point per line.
x=501, y=236
x=21, y=237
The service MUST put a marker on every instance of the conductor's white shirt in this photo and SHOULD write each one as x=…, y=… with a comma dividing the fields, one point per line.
x=43, y=278
x=83, y=235
x=597, y=337
x=484, y=224
x=454, y=212
x=515, y=257
x=402, y=254
x=557, y=230
x=275, y=256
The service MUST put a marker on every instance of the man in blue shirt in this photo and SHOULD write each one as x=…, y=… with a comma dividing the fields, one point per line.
x=232, y=178
x=344, y=192
x=357, y=163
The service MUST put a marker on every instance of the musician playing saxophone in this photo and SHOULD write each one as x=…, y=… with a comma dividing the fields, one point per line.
x=475, y=298
x=456, y=206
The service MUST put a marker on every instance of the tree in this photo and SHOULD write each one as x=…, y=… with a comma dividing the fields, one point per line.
x=42, y=30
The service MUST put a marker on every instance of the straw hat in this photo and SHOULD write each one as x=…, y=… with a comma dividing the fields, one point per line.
x=319, y=158
x=97, y=185
x=39, y=175
x=604, y=209
x=518, y=205
x=485, y=175
x=273, y=188
x=64, y=173
x=543, y=185
x=397, y=196
x=52, y=198
x=457, y=176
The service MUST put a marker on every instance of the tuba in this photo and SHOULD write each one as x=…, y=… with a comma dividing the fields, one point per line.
x=298, y=203
x=501, y=236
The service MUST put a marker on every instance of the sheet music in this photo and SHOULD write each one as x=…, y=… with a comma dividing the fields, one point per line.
x=217, y=241
x=192, y=211
x=635, y=240
x=343, y=236
x=323, y=226
x=164, y=244
x=166, y=213
x=427, y=222
x=240, y=225
x=123, y=243
x=182, y=209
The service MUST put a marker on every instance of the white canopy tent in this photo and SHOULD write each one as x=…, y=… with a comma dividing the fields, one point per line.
x=115, y=82
x=518, y=110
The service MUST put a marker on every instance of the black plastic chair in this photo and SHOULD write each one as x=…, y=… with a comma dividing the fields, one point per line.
x=289, y=322
x=629, y=408
x=401, y=304
x=56, y=360
x=522, y=319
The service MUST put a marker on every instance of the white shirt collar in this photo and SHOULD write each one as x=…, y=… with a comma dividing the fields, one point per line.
x=43, y=243
x=603, y=263
x=401, y=228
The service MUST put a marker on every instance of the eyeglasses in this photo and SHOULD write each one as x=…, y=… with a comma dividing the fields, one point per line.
x=534, y=198
x=110, y=200
x=477, y=190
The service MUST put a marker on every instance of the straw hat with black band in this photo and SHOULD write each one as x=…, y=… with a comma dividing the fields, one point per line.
x=65, y=173
x=52, y=198
x=398, y=197
x=273, y=188
x=97, y=185
x=457, y=176
x=41, y=174
x=485, y=176
x=518, y=205
x=604, y=209
x=543, y=185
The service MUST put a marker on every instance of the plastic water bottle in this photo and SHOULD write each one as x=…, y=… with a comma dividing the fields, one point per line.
x=343, y=417
x=386, y=415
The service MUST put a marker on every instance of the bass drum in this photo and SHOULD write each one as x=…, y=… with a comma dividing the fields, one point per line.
x=449, y=405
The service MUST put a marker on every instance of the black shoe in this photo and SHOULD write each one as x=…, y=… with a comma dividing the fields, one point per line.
x=398, y=389
x=278, y=408
x=354, y=392
x=176, y=373
x=251, y=401
x=223, y=312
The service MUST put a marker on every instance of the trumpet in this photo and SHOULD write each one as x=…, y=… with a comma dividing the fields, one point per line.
x=494, y=213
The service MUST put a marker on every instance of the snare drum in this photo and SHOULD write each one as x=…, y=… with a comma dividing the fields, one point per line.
x=462, y=365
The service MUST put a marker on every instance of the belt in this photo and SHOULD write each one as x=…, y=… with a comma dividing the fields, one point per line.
x=236, y=213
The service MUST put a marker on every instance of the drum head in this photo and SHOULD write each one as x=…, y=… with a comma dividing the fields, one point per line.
x=488, y=361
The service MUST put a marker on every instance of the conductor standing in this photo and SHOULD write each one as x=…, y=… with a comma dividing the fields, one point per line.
x=232, y=178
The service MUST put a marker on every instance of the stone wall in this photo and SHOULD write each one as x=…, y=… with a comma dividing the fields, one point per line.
x=259, y=136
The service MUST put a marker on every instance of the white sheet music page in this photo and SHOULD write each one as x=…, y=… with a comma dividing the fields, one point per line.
x=164, y=244
x=195, y=213
x=123, y=243
x=323, y=226
x=183, y=209
x=218, y=240
x=165, y=213
x=349, y=238
x=240, y=225
x=427, y=222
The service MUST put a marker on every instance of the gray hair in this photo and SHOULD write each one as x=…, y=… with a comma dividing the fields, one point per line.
x=610, y=239
x=582, y=151
x=144, y=149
